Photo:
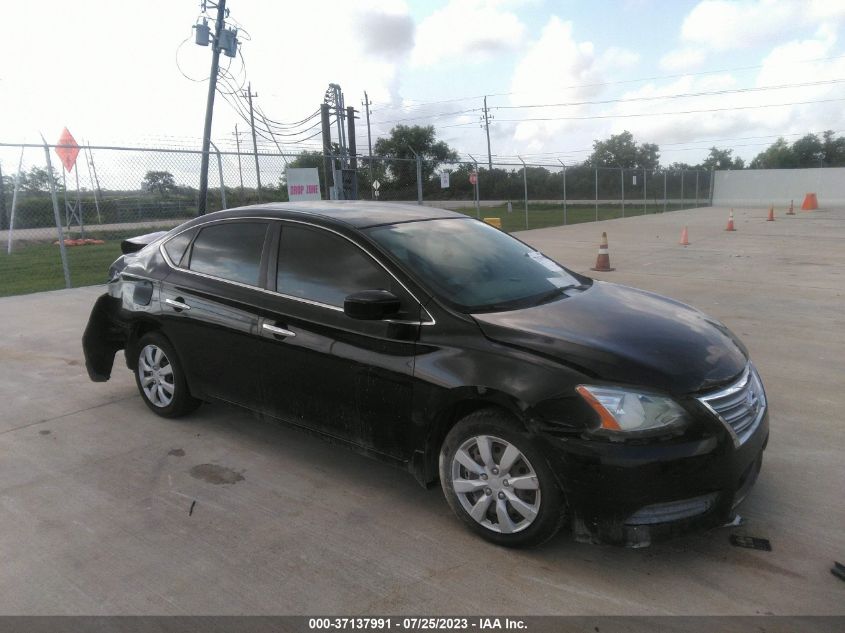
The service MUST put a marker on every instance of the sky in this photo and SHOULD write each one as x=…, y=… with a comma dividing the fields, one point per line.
x=683, y=74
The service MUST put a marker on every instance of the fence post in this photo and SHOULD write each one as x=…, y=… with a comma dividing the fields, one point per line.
x=622, y=179
x=682, y=187
x=55, y=198
x=2, y=199
x=89, y=160
x=220, y=172
x=696, y=188
x=664, y=192
x=644, y=190
x=525, y=183
x=475, y=188
x=14, y=202
x=597, y=194
x=419, y=181
x=564, y=191
x=712, y=184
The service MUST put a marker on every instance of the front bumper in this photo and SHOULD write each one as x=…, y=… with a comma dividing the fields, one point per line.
x=635, y=494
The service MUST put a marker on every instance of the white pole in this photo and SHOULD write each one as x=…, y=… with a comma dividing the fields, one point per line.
x=14, y=203
x=55, y=199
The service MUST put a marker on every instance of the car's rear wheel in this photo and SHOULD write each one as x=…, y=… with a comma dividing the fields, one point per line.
x=160, y=378
x=498, y=483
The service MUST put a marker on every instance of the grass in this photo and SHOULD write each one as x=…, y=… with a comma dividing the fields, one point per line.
x=37, y=266
x=545, y=215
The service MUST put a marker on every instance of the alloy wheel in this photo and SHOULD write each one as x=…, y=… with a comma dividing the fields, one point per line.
x=496, y=484
x=156, y=375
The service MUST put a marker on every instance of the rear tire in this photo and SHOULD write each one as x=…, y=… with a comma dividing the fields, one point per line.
x=160, y=378
x=498, y=483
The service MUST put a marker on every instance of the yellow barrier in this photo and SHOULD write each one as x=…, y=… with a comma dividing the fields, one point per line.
x=494, y=222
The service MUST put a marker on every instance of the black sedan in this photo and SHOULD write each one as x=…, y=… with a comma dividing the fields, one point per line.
x=536, y=396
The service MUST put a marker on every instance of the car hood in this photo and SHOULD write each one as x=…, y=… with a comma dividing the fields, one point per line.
x=624, y=335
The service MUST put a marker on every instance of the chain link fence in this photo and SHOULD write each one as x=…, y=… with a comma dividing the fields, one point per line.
x=117, y=192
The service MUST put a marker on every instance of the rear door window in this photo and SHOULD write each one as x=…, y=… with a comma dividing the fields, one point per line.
x=230, y=251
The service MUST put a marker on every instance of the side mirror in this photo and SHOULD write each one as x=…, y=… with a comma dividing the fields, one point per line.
x=371, y=305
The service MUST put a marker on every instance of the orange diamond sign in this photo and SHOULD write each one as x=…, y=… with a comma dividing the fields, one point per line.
x=69, y=151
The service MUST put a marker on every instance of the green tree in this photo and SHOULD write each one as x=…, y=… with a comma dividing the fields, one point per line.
x=808, y=151
x=402, y=169
x=159, y=181
x=778, y=155
x=834, y=149
x=620, y=150
x=308, y=159
x=722, y=159
x=38, y=179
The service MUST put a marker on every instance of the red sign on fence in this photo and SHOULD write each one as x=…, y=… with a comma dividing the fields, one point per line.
x=473, y=177
x=69, y=152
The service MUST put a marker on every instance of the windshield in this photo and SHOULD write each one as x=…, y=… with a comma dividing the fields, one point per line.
x=473, y=266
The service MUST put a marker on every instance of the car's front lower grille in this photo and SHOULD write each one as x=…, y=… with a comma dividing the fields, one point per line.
x=672, y=511
x=740, y=406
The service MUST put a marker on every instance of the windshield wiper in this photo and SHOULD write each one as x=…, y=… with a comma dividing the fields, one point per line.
x=552, y=294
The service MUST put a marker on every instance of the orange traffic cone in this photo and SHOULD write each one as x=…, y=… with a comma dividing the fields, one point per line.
x=684, y=237
x=771, y=217
x=791, y=208
x=603, y=259
x=730, y=226
x=810, y=202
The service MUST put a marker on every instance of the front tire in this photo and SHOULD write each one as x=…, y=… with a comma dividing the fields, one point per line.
x=160, y=378
x=498, y=483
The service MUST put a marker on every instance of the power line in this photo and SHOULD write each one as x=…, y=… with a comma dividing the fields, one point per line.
x=647, y=114
x=632, y=99
x=673, y=96
x=421, y=104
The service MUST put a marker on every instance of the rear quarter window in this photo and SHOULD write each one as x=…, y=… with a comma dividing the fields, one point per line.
x=176, y=246
x=230, y=251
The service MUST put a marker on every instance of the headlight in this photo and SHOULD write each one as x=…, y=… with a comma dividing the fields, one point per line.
x=623, y=411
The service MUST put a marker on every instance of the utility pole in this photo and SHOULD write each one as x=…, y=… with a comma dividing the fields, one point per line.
x=240, y=171
x=249, y=95
x=367, y=105
x=209, y=106
x=487, y=129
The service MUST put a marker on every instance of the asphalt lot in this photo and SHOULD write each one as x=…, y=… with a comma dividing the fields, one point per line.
x=96, y=492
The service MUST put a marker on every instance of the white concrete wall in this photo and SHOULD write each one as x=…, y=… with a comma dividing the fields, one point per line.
x=762, y=187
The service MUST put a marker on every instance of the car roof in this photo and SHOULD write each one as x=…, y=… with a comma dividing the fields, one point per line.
x=356, y=213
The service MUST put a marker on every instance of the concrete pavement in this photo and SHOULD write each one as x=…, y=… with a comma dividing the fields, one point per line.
x=97, y=512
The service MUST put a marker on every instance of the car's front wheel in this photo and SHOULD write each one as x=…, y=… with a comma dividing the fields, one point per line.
x=160, y=378
x=498, y=483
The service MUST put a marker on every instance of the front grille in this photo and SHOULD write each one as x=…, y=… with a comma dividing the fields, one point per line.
x=672, y=511
x=741, y=406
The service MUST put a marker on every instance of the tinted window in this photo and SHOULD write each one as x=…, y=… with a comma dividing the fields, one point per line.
x=176, y=246
x=321, y=266
x=472, y=265
x=230, y=250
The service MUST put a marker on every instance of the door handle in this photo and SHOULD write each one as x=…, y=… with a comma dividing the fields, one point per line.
x=177, y=305
x=278, y=331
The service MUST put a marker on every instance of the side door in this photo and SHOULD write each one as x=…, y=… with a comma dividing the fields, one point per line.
x=210, y=304
x=348, y=378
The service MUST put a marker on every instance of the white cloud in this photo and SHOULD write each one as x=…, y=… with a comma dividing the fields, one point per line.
x=682, y=59
x=557, y=68
x=723, y=25
x=783, y=65
x=616, y=58
x=467, y=30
